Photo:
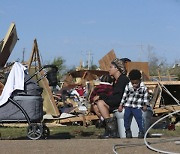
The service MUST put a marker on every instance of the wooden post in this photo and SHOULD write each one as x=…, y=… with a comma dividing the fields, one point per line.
x=49, y=102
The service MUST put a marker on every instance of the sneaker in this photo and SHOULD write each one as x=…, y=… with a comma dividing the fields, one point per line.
x=140, y=135
x=128, y=134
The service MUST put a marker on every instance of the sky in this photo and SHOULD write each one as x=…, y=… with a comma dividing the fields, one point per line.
x=78, y=29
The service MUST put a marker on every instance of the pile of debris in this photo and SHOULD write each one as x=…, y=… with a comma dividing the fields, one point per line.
x=70, y=102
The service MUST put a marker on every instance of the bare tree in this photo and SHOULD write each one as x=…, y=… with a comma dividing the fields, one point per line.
x=157, y=64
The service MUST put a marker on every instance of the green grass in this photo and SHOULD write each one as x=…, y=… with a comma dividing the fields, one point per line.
x=61, y=132
x=12, y=132
x=70, y=132
x=166, y=132
x=75, y=132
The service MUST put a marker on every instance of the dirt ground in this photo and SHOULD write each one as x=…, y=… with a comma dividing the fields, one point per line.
x=84, y=146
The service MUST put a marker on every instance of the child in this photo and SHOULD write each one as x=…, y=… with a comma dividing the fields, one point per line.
x=135, y=100
x=104, y=89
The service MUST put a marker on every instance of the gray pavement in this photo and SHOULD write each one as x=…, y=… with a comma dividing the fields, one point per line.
x=80, y=146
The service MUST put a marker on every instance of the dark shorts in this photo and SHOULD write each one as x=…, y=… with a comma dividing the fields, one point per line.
x=112, y=107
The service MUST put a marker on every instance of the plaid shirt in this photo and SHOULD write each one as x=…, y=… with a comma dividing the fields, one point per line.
x=135, y=98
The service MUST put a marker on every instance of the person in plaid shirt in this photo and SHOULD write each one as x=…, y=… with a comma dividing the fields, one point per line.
x=135, y=100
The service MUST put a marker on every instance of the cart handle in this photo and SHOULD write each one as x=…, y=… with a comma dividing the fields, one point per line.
x=45, y=66
x=51, y=66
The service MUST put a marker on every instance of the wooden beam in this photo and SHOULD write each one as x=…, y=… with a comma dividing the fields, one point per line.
x=166, y=109
x=162, y=82
x=7, y=45
x=80, y=118
x=35, y=57
x=34, y=65
x=156, y=96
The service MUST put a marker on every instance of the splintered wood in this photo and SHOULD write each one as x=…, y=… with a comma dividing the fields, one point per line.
x=162, y=101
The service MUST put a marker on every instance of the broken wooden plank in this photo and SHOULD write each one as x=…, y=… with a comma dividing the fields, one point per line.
x=80, y=118
x=34, y=64
x=156, y=96
x=162, y=82
x=8, y=44
x=166, y=109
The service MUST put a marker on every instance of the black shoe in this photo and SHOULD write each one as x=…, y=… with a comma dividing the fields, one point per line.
x=140, y=135
x=111, y=127
x=128, y=134
x=100, y=124
x=105, y=135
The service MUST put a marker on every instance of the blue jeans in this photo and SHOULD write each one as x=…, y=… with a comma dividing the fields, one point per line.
x=128, y=115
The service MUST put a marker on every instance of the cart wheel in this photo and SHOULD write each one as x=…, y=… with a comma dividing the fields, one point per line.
x=46, y=132
x=34, y=131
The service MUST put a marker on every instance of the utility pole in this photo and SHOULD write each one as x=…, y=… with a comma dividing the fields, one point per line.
x=141, y=51
x=89, y=59
x=81, y=59
x=23, y=54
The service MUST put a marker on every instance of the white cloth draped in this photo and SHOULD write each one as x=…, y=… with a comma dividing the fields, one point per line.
x=14, y=81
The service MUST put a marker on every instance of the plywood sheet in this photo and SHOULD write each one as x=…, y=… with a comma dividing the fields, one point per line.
x=105, y=62
x=142, y=66
x=8, y=44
